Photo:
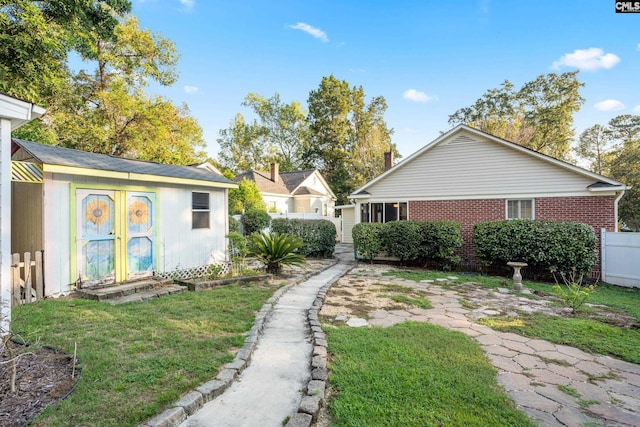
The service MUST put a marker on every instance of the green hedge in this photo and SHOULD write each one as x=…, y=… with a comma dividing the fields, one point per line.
x=411, y=241
x=367, y=239
x=318, y=235
x=552, y=246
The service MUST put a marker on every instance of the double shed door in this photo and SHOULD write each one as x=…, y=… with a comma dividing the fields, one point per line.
x=115, y=235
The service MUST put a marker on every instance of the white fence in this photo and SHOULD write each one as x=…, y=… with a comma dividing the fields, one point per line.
x=620, y=258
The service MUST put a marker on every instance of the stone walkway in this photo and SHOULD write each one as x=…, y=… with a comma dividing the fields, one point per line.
x=555, y=384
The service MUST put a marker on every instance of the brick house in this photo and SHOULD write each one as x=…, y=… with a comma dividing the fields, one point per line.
x=469, y=176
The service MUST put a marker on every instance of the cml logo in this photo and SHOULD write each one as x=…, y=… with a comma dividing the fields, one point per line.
x=628, y=7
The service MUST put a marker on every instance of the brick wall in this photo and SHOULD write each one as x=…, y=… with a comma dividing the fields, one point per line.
x=598, y=212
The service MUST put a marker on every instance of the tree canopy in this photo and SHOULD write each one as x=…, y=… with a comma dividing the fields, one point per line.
x=539, y=115
x=614, y=150
x=103, y=107
x=341, y=135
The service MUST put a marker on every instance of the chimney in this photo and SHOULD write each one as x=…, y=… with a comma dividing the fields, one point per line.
x=274, y=172
x=388, y=160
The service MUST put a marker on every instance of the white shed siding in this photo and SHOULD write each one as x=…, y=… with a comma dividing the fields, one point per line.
x=179, y=247
x=470, y=167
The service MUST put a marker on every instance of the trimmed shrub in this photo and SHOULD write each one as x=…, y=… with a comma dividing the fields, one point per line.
x=367, y=239
x=318, y=235
x=254, y=220
x=554, y=246
x=402, y=239
x=439, y=242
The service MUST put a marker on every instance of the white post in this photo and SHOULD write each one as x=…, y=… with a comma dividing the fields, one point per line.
x=603, y=251
x=5, y=225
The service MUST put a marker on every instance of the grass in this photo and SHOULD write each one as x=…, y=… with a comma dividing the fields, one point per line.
x=414, y=374
x=139, y=358
x=586, y=334
x=583, y=331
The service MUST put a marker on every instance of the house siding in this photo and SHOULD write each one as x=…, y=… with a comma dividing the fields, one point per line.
x=468, y=167
x=598, y=212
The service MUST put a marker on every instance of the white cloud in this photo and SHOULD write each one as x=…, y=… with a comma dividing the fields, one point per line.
x=638, y=46
x=636, y=109
x=188, y=4
x=190, y=89
x=609, y=105
x=587, y=59
x=315, y=32
x=416, y=96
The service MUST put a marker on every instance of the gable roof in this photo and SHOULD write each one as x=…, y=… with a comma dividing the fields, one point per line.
x=288, y=183
x=76, y=162
x=600, y=183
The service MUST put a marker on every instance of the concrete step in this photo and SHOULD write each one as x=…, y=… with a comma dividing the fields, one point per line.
x=124, y=289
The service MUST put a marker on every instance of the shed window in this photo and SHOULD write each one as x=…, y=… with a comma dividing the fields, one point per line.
x=200, y=210
x=520, y=209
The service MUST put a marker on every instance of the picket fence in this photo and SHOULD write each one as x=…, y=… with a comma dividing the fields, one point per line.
x=27, y=282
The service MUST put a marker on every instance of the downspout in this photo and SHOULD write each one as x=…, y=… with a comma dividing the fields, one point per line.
x=615, y=209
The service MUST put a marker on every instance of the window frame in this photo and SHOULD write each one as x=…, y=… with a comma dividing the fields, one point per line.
x=197, y=211
x=378, y=210
x=519, y=208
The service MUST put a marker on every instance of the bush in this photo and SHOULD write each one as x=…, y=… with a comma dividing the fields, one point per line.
x=318, y=235
x=276, y=250
x=411, y=241
x=255, y=220
x=402, y=239
x=367, y=239
x=234, y=225
x=440, y=241
x=554, y=246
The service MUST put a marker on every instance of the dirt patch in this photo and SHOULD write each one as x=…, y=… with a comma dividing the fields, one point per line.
x=43, y=377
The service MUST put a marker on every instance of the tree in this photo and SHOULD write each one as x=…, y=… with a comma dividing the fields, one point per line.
x=621, y=137
x=246, y=197
x=242, y=147
x=538, y=116
x=107, y=111
x=36, y=37
x=593, y=144
x=283, y=128
x=341, y=126
x=624, y=165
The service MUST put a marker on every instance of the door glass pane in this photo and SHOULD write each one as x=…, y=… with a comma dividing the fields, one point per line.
x=97, y=257
x=98, y=215
x=139, y=254
x=139, y=214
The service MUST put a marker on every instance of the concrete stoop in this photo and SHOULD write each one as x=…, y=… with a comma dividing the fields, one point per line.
x=139, y=290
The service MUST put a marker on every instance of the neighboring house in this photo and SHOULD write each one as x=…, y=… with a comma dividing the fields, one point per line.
x=469, y=176
x=103, y=219
x=13, y=114
x=301, y=192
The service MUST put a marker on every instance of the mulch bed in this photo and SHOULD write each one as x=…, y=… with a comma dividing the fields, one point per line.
x=43, y=377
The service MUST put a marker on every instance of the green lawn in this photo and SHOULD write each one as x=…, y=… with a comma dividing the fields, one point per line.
x=138, y=358
x=414, y=374
x=584, y=330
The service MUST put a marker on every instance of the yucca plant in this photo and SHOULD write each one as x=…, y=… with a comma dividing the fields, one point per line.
x=276, y=250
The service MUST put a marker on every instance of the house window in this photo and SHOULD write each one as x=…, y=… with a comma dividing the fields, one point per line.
x=272, y=207
x=520, y=209
x=383, y=212
x=199, y=210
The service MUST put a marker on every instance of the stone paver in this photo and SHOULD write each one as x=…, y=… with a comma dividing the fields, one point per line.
x=556, y=385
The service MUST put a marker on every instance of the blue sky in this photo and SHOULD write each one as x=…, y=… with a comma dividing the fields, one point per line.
x=427, y=58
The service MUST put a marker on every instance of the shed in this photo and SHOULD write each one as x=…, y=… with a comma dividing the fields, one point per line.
x=103, y=219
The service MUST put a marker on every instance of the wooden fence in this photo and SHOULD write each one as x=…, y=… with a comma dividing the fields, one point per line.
x=27, y=282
